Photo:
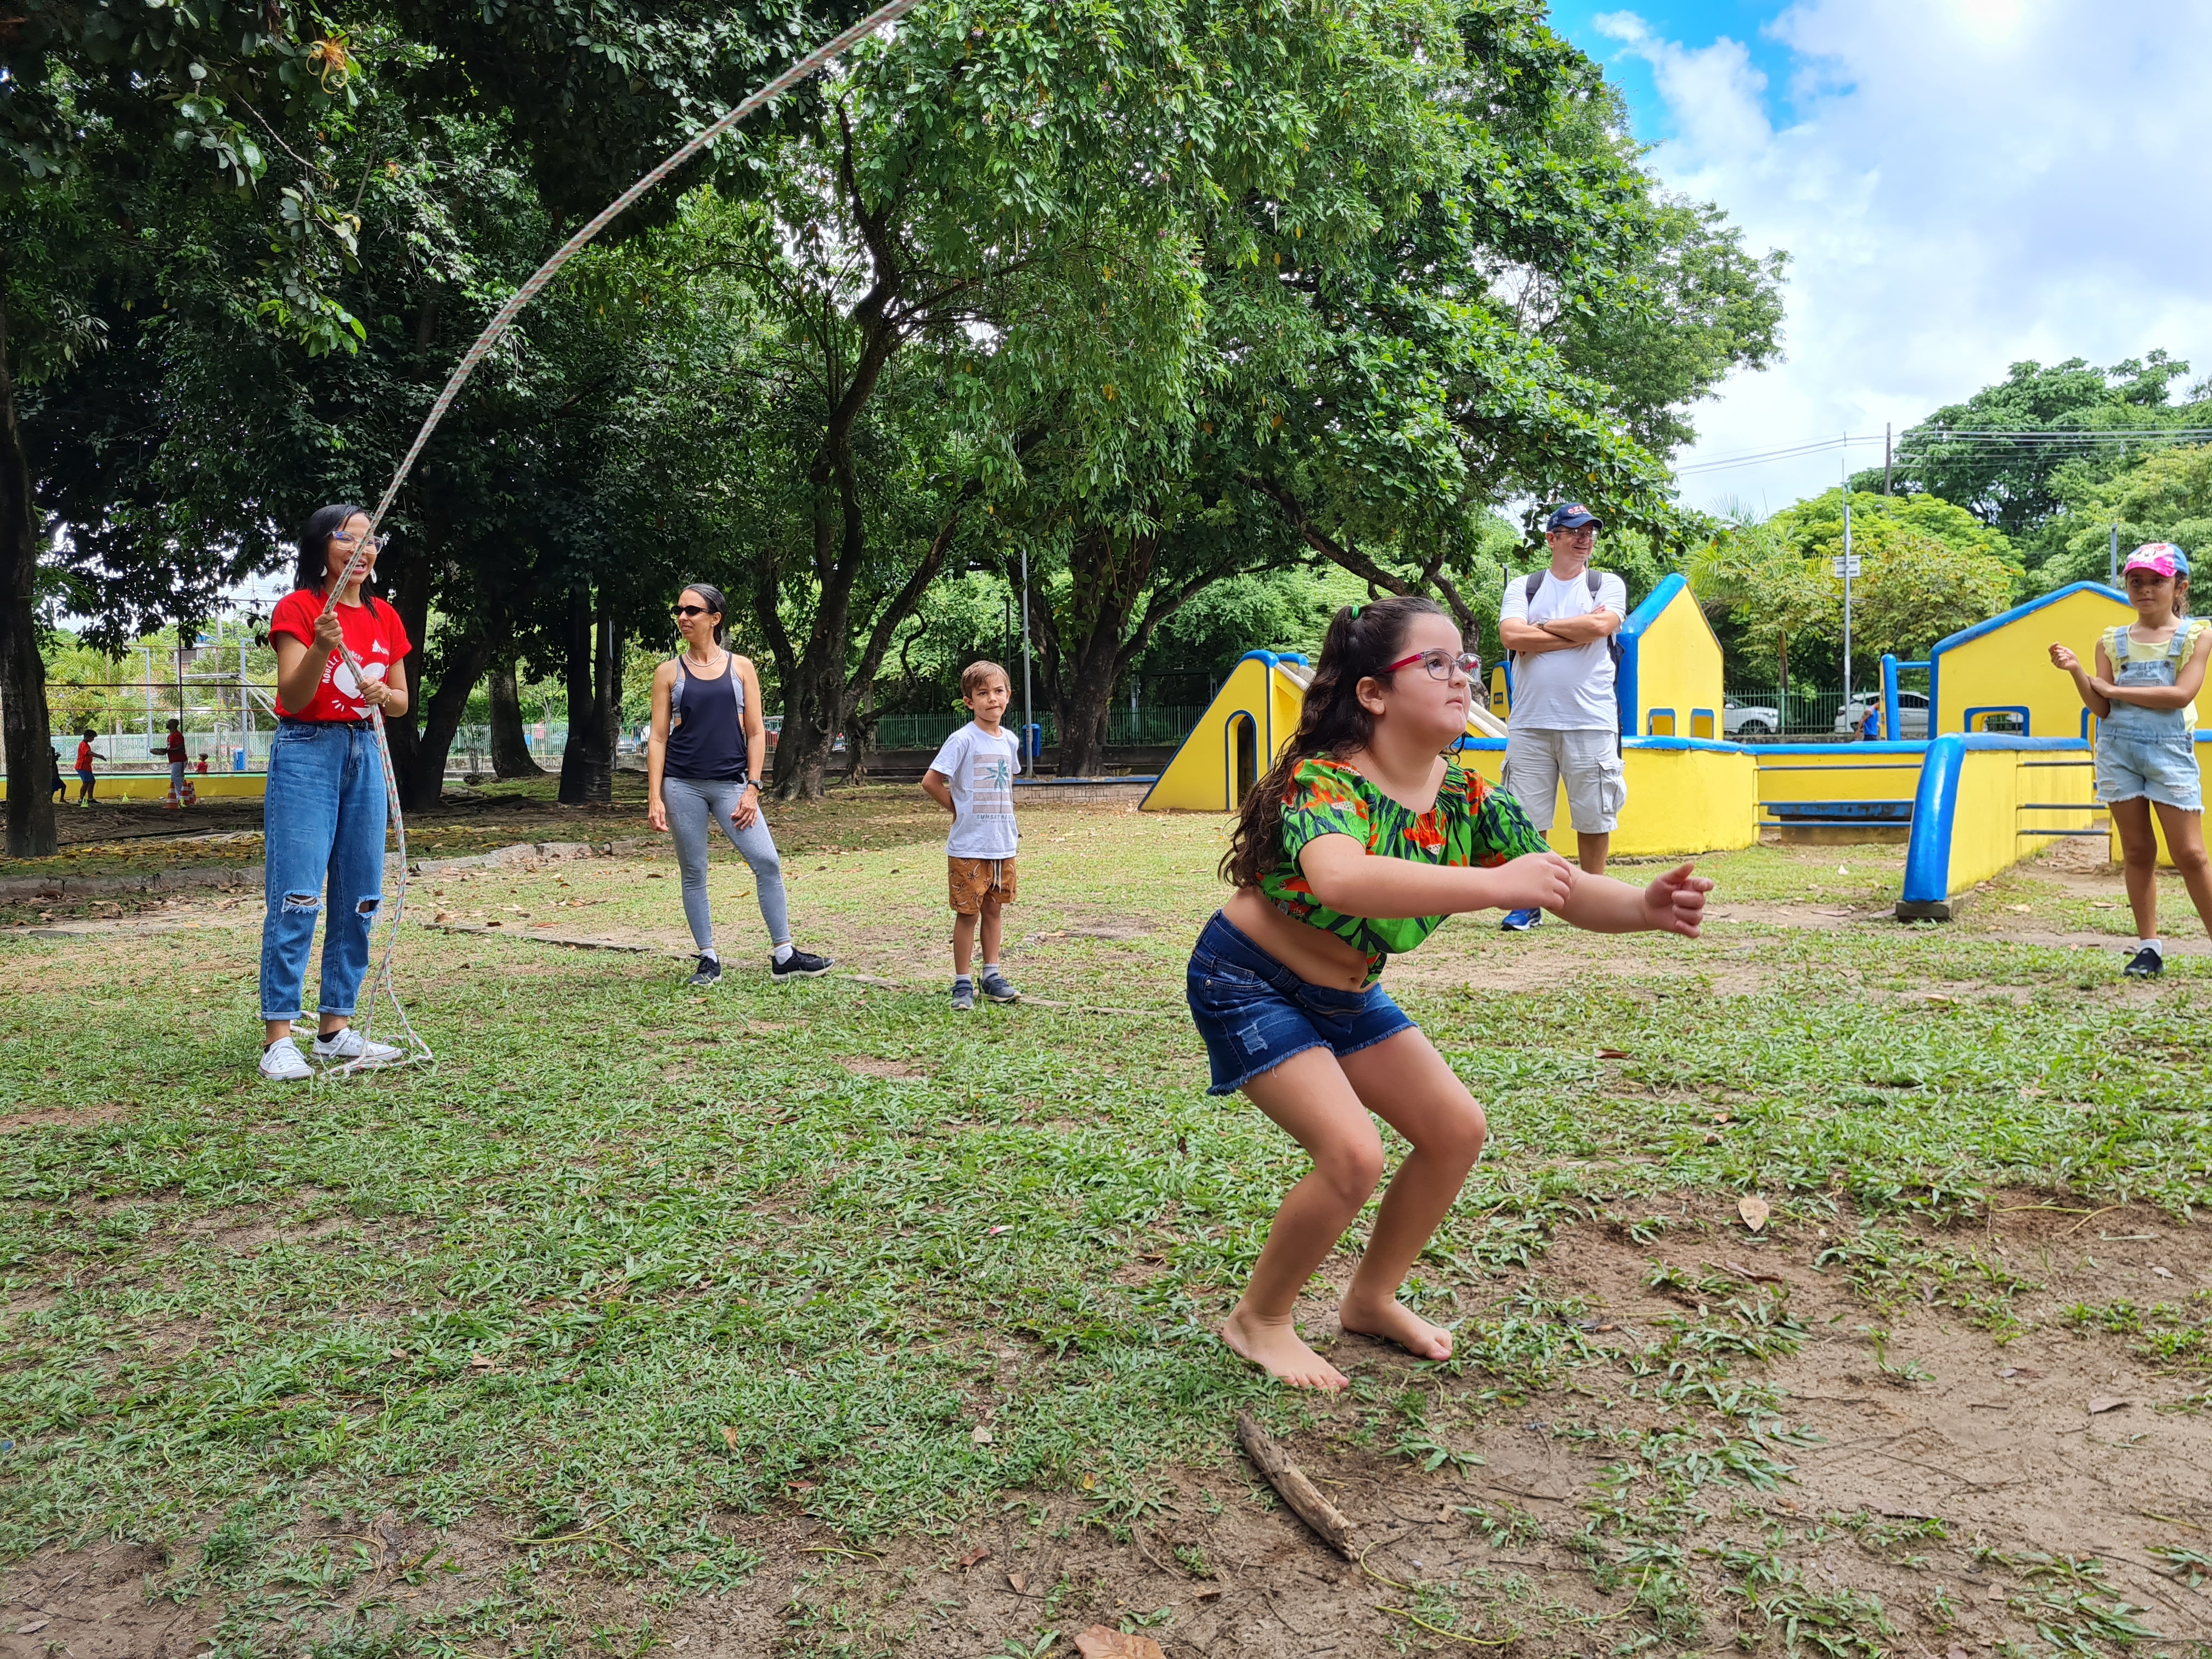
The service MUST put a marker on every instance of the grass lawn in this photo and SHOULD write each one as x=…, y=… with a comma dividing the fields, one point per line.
x=818, y=1319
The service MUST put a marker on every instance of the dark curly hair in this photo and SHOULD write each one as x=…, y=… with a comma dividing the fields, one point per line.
x=1361, y=642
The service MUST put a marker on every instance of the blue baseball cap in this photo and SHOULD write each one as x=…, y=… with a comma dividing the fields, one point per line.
x=1570, y=515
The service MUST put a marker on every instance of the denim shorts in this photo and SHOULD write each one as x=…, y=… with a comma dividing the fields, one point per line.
x=1255, y=1013
x=2160, y=764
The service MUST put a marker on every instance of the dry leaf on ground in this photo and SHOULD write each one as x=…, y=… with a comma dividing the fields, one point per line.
x=981, y=1436
x=1613, y=1053
x=974, y=1556
x=729, y=1436
x=1019, y=1580
x=1099, y=1642
x=1754, y=1212
x=2106, y=1402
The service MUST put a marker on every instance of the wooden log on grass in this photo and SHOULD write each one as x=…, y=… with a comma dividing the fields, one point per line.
x=1291, y=1483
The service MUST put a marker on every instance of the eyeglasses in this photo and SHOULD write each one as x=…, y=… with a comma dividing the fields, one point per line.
x=689, y=611
x=1440, y=664
x=373, y=541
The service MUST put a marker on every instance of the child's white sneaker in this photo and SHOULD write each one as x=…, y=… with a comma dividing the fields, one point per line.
x=346, y=1043
x=282, y=1062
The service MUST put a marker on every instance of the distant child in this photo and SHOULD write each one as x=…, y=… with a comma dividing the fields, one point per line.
x=84, y=767
x=176, y=753
x=61, y=784
x=1365, y=834
x=2144, y=696
x=203, y=765
x=973, y=779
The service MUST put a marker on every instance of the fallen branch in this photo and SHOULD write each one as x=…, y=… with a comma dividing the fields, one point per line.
x=1291, y=1483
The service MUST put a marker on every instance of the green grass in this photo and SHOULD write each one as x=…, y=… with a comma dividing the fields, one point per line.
x=631, y=1268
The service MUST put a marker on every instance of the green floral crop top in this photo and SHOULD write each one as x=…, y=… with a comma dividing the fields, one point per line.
x=1470, y=825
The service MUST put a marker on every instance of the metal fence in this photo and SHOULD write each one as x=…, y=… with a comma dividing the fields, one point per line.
x=1764, y=713
x=1125, y=728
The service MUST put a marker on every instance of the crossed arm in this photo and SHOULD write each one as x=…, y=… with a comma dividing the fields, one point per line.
x=1527, y=639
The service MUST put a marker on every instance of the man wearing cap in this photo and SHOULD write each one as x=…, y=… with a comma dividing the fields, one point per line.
x=1564, y=724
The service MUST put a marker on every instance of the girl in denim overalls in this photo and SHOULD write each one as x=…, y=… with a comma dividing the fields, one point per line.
x=2144, y=695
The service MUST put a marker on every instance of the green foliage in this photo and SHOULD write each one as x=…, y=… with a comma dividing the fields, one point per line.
x=1929, y=569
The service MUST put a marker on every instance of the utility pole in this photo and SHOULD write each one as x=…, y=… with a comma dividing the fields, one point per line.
x=1885, y=458
x=2113, y=564
x=1029, y=722
x=1847, y=566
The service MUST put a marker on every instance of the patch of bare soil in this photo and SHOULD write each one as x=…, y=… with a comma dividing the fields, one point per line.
x=79, y=1117
x=92, y=1604
x=894, y=1069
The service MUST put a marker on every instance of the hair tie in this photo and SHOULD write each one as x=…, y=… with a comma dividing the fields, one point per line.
x=1355, y=613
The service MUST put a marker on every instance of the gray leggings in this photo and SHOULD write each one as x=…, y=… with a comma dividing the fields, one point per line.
x=690, y=801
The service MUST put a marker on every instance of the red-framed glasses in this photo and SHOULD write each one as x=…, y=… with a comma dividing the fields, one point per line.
x=1440, y=664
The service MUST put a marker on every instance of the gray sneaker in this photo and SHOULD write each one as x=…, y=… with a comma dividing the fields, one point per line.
x=994, y=986
x=963, y=996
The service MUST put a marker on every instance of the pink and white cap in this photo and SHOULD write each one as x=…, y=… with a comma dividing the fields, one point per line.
x=2162, y=558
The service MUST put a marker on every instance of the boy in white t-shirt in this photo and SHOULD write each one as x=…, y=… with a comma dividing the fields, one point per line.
x=973, y=779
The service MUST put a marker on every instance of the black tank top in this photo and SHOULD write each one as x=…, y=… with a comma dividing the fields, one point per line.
x=706, y=739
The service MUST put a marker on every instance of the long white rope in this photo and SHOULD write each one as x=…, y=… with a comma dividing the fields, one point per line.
x=416, y=1050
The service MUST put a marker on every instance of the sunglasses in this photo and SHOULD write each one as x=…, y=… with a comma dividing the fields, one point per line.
x=689, y=611
x=1440, y=664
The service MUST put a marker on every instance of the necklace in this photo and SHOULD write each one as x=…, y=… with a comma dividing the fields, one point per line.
x=706, y=668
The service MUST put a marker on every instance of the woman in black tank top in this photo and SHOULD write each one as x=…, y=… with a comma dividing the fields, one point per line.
x=702, y=767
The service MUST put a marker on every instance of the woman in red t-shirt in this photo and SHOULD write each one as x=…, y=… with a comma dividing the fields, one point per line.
x=323, y=819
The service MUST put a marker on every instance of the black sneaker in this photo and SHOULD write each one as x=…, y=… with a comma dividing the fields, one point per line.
x=995, y=986
x=800, y=965
x=710, y=972
x=2147, y=964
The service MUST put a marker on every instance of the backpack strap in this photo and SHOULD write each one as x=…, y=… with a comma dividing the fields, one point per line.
x=1534, y=582
x=1593, y=577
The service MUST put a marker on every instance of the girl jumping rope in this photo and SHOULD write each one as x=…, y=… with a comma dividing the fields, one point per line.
x=323, y=820
x=703, y=768
x=2144, y=695
x=1358, y=842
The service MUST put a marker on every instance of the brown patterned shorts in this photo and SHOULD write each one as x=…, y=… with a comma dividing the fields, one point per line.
x=973, y=880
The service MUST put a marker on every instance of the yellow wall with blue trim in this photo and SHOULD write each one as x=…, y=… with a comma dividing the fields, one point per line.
x=1680, y=801
x=1199, y=778
x=2010, y=667
x=1678, y=674
x=155, y=785
x=1838, y=772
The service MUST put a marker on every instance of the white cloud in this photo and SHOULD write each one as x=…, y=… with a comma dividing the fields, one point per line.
x=1964, y=184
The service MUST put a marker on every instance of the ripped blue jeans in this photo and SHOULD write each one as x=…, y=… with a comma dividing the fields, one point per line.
x=323, y=821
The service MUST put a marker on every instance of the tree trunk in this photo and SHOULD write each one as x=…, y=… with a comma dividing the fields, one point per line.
x=586, y=776
x=411, y=597
x=441, y=718
x=22, y=670
x=609, y=689
x=510, y=749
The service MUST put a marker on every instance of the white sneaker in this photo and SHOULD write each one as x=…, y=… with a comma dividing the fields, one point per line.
x=281, y=1062
x=349, y=1044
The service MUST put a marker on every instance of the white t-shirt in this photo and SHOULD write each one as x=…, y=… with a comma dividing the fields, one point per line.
x=979, y=768
x=1569, y=690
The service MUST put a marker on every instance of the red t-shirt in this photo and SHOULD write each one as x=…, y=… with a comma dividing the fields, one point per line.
x=83, y=756
x=372, y=632
x=176, y=747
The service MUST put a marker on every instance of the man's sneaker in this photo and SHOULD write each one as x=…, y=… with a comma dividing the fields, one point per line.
x=1520, y=921
x=994, y=986
x=2147, y=964
x=282, y=1062
x=350, y=1044
x=963, y=996
x=708, y=972
x=799, y=965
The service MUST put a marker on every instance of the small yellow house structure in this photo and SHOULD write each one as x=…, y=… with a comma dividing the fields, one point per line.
x=1996, y=675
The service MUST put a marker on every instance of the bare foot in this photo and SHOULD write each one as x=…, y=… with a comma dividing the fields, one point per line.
x=1394, y=1321
x=1277, y=1350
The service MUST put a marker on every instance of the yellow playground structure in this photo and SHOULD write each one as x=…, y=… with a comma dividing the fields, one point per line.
x=2006, y=765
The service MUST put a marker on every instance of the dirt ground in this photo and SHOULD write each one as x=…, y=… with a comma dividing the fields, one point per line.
x=2059, y=1445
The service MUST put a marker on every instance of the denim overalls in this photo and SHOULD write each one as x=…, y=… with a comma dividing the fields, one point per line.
x=2149, y=752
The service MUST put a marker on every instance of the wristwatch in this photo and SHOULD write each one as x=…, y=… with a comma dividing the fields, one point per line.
x=752, y=783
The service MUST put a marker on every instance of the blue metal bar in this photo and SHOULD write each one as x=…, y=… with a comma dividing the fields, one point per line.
x=1889, y=664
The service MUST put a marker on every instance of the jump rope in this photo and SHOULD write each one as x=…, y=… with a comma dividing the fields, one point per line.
x=414, y=1051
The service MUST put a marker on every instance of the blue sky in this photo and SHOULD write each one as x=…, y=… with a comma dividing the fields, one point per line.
x=1961, y=184
x=1700, y=21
